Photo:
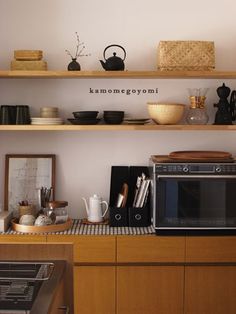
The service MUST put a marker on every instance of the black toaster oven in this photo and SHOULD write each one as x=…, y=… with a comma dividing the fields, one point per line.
x=193, y=196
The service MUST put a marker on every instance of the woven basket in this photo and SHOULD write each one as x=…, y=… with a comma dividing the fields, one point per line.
x=28, y=55
x=28, y=65
x=186, y=55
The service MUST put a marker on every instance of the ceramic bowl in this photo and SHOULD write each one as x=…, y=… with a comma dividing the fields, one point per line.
x=113, y=120
x=27, y=220
x=85, y=114
x=112, y=113
x=43, y=220
x=166, y=113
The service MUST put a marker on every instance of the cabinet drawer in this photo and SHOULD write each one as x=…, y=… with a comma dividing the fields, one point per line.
x=140, y=249
x=211, y=249
x=90, y=249
x=22, y=238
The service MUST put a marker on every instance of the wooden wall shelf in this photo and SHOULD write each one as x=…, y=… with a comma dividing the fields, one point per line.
x=120, y=74
x=121, y=127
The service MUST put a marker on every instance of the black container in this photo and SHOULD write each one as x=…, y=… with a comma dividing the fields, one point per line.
x=22, y=114
x=118, y=216
x=139, y=217
x=8, y=114
x=127, y=216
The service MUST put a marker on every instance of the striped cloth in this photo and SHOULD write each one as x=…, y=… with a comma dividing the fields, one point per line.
x=79, y=228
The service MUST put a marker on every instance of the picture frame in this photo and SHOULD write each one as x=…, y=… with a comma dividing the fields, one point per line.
x=25, y=175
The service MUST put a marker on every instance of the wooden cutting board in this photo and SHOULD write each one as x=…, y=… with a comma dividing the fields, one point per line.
x=200, y=155
x=167, y=159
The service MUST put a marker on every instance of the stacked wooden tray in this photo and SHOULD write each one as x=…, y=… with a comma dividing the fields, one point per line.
x=27, y=60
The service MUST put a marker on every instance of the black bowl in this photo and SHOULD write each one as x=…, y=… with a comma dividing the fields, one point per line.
x=114, y=120
x=113, y=113
x=84, y=121
x=85, y=114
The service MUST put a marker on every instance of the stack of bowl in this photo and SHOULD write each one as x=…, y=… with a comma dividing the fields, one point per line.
x=48, y=112
x=84, y=117
x=113, y=117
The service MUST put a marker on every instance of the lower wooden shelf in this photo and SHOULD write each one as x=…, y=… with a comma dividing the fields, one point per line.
x=118, y=127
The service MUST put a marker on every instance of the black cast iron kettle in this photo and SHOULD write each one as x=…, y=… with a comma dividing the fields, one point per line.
x=113, y=63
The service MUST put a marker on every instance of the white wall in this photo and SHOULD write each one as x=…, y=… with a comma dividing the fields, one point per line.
x=84, y=158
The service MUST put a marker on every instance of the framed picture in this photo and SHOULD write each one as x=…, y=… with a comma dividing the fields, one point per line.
x=25, y=176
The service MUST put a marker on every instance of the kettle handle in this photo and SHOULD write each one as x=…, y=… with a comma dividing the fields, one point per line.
x=114, y=45
x=105, y=211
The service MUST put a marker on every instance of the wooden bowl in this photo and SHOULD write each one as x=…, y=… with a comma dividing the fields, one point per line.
x=166, y=113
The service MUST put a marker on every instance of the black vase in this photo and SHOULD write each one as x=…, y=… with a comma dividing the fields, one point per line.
x=73, y=65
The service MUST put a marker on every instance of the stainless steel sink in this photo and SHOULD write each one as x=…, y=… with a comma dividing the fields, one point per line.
x=30, y=271
x=20, y=283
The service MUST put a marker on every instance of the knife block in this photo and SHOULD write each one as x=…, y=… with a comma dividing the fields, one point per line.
x=127, y=216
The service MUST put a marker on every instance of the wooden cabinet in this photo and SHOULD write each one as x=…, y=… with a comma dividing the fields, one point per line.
x=89, y=249
x=210, y=290
x=23, y=238
x=149, y=280
x=150, y=249
x=210, y=277
x=94, y=289
x=150, y=289
x=211, y=249
x=140, y=274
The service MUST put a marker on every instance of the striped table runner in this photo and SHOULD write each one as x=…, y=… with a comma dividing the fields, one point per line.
x=78, y=228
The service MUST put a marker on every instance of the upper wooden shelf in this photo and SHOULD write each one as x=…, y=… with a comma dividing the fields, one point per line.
x=120, y=127
x=120, y=74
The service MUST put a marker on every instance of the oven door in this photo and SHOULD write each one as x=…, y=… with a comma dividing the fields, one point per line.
x=195, y=202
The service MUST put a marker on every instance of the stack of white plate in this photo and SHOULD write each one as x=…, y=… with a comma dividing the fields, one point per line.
x=47, y=121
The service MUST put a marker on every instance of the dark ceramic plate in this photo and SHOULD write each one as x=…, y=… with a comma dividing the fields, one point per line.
x=84, y=121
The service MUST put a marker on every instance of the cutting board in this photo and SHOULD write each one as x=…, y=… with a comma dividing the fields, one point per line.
x=200, y=155
x=167, y=159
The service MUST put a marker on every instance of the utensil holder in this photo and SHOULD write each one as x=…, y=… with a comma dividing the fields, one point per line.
x=26, y=210
x=139, y=216
x=118, y=216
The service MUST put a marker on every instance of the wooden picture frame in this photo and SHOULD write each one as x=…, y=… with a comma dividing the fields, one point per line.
x=25, y=174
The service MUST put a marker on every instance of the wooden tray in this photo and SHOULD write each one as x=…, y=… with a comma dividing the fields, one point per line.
x=40, y=229
x=167, y=159
x=200, y=155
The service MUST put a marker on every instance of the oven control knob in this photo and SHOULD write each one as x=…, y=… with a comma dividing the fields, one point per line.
x=218, y=169
x=185, y=169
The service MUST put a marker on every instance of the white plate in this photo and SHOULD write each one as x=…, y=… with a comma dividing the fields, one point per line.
x=47, y=123
x=46, y=119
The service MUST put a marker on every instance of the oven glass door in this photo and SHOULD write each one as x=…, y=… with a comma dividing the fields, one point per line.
x=195, y=202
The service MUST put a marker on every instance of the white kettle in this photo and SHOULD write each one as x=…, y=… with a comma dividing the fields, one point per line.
x=94, y=210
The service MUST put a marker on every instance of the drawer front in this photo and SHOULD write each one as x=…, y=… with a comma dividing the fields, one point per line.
x=211, y=249
x=90, y=249
x=22, y=238
x=150, y=249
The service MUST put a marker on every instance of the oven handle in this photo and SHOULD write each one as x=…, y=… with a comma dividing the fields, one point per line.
x=196, y=176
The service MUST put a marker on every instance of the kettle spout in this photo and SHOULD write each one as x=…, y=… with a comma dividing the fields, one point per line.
x=103, y=64
x=86, y=205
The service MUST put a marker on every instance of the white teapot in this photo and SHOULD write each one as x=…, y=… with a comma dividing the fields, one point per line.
x=94, y=210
